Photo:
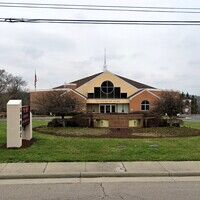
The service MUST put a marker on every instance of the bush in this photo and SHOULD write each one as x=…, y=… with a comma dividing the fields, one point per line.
x=175, y=122
x=83, y=120
x=80, y=120
x=163, y=122
x=55, y=123
x=3, y=114
x=156, y=122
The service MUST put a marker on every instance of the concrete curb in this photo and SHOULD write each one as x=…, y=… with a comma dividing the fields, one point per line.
x=98, y=174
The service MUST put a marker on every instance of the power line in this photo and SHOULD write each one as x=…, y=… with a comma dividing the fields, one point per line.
x=101, y=7
x=95, y=5
x=114, y=22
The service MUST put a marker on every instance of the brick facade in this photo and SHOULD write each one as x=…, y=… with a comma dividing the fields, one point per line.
x=119, y=120
x=135, y=101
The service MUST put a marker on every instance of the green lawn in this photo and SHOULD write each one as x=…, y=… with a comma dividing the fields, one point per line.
x=192, y=124
x=56, y=148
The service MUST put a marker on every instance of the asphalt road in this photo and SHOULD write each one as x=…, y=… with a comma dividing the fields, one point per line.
x=158, y=188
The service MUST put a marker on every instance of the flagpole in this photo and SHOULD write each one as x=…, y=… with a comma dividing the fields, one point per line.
x=35, y=80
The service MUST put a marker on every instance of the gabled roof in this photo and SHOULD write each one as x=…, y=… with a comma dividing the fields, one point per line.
x=85, y=80
x=136, y=93
x=65, y=86
x=71, y=90
x=82, y=81
x=135, y=83
x=141, y=91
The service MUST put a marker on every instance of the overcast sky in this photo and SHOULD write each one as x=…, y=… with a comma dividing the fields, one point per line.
x=166, y=57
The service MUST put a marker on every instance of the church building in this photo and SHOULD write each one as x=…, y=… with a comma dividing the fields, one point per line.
x=114, y=101
x=106, y=92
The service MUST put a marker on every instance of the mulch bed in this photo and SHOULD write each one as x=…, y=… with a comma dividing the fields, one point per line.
x=125, y=133
x=26, y=143
x=120, y=133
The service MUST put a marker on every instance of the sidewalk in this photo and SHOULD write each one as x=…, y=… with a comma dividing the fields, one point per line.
x=98, y=169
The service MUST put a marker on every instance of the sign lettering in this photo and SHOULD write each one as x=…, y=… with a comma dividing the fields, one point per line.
x=25, y=115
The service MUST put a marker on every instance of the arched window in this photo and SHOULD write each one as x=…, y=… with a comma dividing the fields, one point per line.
x=107, y=87
x=145, y=105
x=107, y=90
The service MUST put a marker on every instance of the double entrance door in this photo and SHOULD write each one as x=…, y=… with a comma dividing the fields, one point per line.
x=107, y=108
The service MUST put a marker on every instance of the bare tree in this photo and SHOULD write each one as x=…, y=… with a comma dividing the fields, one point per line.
x=170, y=104
x=60, y=103
x=11, y=87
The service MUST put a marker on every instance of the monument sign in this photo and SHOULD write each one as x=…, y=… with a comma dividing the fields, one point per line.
x=19, y=123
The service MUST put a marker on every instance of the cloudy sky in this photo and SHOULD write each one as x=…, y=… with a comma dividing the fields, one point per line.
x=166, y=57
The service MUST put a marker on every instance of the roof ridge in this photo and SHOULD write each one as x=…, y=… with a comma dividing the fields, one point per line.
x=87, y=77
x=81, y=81
x=84, y=80
x=135, y=83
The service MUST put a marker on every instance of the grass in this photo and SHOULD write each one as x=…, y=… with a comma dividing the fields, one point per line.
x=193, y=124
x=53, y=148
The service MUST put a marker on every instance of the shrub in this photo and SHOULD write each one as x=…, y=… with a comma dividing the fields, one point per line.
x=175, y=122
x=80, y=120
x=156, y=122
x=83, y=120
x=55, y=123
x=163, y=122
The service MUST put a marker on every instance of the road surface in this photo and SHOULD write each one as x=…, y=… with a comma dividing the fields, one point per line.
x=158, y=188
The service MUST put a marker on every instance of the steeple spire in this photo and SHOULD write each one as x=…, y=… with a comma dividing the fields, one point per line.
x=105, y=64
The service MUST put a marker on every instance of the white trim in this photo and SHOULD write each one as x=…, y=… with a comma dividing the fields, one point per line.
x=154, y=89
x=48, y=90
x=65, y=85
x=70, y=84
x=162, y=90
x=108, y=101
x=76, y=93
x=159, y=90
x=142, y=92
x=154, y=94
x=63, y=89
x=136, y=94
x=79, y=94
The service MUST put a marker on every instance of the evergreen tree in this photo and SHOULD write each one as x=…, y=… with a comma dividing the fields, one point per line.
x=187, y=96
x=194, y=105
x=182, y=95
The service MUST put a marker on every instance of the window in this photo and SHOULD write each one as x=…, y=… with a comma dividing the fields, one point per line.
x=107, y=87
x=123, y=95
x=113, y=108
x=90, y=95
x=117, y=92
x=102, y=109
x=97, y=92
x=107, y=91
x=145, y=105
x=107, y=108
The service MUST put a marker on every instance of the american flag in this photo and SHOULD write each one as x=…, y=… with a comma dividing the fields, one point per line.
x=35, y=80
